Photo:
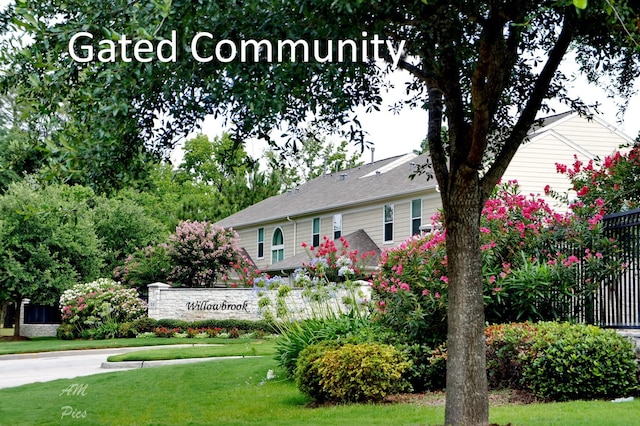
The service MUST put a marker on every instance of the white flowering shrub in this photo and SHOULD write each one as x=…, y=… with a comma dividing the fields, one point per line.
x=97, y=309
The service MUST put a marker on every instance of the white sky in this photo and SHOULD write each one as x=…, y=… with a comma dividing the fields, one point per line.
x=395, y=134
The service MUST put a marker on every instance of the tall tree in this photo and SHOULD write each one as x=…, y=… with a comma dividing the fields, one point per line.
x=313, y=157
x=47, y=243
x=234, y=176
x=486, y=67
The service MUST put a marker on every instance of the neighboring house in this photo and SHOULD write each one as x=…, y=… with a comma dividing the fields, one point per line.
x=386, y=207
x=377, y=198
x=557, y=140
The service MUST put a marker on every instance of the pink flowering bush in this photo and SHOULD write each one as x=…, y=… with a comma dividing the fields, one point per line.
x=200, y=253
x=537, y=265
x=333, y=263
x=97, y=309
x=612, y=181
x=410, y=289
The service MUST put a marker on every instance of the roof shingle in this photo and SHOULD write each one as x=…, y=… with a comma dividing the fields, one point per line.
x=368, y=182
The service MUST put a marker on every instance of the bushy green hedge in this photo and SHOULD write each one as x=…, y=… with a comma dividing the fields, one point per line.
x=361, y=373
x=561, y=361
x=428, y=369
x=307, y=373
x=296, y=336
x=244, y=325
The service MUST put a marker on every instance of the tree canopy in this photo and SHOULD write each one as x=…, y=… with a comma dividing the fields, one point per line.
x=487, y=68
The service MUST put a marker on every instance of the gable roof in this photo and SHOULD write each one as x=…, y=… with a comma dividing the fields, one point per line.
x=547, y=124
x=366, y=183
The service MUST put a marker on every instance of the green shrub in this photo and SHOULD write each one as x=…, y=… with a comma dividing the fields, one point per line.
x=126, y=330
x=145, y=266
x=307, y=373
x=362, y=372
x=298, y=335
x=428, y=369
x=144, y=325
x=173, y=323
x=580, y=362
x=66, y=332
x=507, y=344
x=294, y=340
x=561, y=361
x=107, y=330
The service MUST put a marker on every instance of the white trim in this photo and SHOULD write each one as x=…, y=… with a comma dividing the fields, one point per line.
x=385, y=223
x=277, y=247
x=391, y=165
x=412, y=218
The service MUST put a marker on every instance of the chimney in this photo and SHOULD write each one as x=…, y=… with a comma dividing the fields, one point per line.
x=373, y=149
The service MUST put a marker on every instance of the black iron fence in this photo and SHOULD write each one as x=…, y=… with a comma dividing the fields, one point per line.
x=616, y=303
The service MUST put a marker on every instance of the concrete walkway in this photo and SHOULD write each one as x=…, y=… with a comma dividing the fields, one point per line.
x=22, y=369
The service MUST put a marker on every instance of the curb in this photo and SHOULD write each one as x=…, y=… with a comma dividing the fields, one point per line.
x=149, y=364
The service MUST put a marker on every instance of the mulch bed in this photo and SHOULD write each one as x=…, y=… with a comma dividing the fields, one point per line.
x=13, y=338
x=503, y=397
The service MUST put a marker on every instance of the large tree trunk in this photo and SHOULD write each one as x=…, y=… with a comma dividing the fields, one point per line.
x=467, y=390
x=16, y=322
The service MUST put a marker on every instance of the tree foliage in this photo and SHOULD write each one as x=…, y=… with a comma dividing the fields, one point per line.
x=487, y=67
x=234, y=176
x=313, y=157
x=47, y=243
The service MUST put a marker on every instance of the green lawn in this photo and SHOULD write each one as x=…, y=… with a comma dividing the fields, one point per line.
x=48, y=344
x=249, y=348
x=236, y=392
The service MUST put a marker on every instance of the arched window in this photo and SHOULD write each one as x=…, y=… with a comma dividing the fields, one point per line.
x=277, y=246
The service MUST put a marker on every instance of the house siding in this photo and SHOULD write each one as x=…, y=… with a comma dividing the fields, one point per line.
x=534, y=165
x=359, y=194
x=369, y=217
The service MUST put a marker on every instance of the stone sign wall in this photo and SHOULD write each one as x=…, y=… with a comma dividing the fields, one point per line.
x=194, y=304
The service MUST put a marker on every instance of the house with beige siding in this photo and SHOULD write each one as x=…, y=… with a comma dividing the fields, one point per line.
x=379, y=204
x=378, y=198
x=557, y=140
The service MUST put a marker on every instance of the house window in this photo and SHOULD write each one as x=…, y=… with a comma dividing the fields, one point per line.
x=277, y=246
x=260, y=243
x=337, y=226
x=416, y=216
x=315, y=232
x=388, y=223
